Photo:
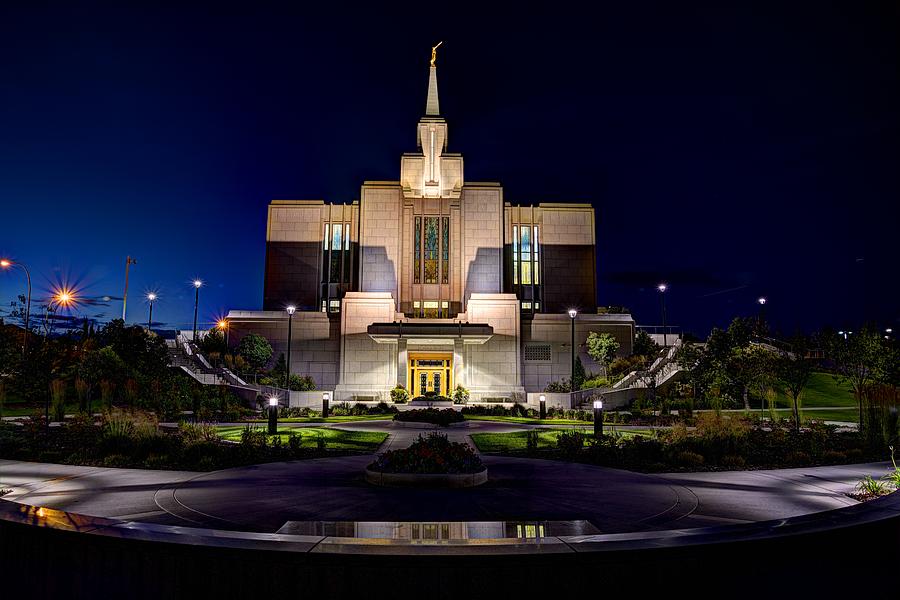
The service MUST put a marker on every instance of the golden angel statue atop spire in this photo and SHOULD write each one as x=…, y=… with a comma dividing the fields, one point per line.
x=434, y=53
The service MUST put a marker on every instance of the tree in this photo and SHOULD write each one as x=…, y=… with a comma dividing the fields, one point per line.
x=256, y=350
x=602, y=348
x=144, y=352
x=644, y=344
x=860, y=359
x=794, y=369
x=213, y=341
x=579, y=375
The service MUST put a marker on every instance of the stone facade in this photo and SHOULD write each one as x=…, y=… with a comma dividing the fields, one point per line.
x=434, y=267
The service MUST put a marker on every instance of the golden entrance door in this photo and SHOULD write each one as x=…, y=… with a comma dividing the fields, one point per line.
x=430, y=373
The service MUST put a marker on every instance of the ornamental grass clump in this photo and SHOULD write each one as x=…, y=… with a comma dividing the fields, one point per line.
x=431, y=454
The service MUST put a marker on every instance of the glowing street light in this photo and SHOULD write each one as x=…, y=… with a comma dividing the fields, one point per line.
x=222, y=326
x=287, y=372
x=662, y=287
x=151, y=298
x=7, y=264
x=197, y=285
x=572, y=314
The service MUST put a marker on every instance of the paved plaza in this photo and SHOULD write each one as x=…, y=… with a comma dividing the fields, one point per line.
x=263, y=497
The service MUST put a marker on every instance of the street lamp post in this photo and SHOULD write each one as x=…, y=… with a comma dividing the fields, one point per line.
x=325, y=398
x=572, y=314
x=598, y=419
x=287, y=374
x=543, y=403
x=223, y=327
x=761, y=318
x=151, y=298
x=197, y=285
x=662, y=297
x=273, y=415
x=7, y=264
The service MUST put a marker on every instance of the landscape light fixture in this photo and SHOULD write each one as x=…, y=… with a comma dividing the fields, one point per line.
x=291, y=309
x=598, y=419
x=273, y=415
x=542, y=401
x=6, y=264
x=572, y=314
x=325, y=398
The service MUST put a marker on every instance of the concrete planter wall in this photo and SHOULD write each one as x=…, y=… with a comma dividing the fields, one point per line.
x=438, y=480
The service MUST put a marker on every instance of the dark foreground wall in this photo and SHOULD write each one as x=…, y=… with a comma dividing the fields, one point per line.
x=830, y=555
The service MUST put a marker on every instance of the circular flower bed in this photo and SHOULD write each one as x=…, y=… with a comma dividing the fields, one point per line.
x=435, y=416
x=432, y=460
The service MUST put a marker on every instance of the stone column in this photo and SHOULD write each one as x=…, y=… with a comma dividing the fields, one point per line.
x=402, y=363
x=459, y=377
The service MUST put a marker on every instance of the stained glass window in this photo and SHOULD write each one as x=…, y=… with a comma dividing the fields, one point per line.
x=536, y=245
x=445, y=250
x=337, y=243
x=431, y=249
x=417, y=266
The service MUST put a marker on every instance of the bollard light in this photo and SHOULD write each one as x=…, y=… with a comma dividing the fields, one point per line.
x=325, y=398
x=273, y=415
x=543, y=404
x=598, y=419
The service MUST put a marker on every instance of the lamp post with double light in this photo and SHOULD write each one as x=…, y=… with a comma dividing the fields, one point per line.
x=7, y=264
x=287, y=371
x=572, y=314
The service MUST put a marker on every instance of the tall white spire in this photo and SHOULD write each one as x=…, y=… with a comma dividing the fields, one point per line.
x=432, y=105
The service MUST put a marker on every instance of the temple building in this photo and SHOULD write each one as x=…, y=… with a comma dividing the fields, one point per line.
x=431, y=282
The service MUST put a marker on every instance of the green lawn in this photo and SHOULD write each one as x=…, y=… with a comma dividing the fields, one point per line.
x=823, y=390
x=335, y=439
x=506, y=442
x=850, y=415
x=387, y=416
x=22, y=409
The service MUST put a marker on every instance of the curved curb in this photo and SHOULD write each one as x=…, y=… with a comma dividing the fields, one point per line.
x=438, y=480
x=420, y=425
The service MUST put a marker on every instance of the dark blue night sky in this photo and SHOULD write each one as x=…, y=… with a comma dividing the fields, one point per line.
x=732, y=152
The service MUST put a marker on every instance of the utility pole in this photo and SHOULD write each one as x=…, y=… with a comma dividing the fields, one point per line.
x=128, y=262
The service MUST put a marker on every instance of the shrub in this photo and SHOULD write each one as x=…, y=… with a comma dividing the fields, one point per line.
x=686, y=458
x=594, y=382
x=460, y=395
x=558, y=387
x=531, y=441
x=431, y=454
x=442, y=418
x=399, y=395
x=570, y=443
x=733, y=461
x=870, y=486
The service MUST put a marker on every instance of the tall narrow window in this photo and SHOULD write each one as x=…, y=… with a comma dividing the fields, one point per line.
x=337, y=243
x=346, y=252
x=431, y=249
x=526, y=255
x=417, y=263
x=445, y=250
x=326, y=238
x=515, y=254
x=432, y=155
x=537, y=263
